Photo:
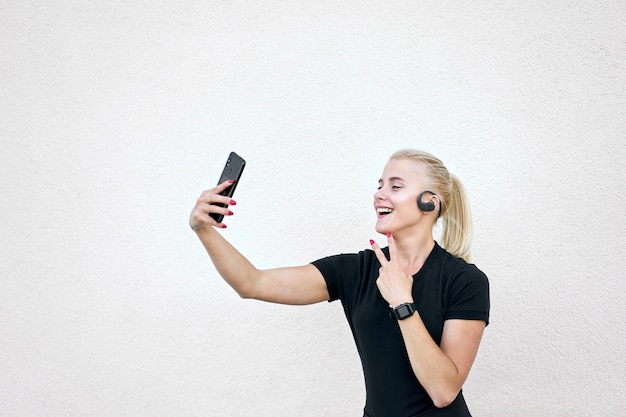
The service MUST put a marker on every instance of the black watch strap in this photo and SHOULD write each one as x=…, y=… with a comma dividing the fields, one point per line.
x=403, y=311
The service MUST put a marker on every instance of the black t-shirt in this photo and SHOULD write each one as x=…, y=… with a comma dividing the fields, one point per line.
x=445, y=287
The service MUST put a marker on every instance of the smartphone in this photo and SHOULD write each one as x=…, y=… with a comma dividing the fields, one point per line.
x=232, y=171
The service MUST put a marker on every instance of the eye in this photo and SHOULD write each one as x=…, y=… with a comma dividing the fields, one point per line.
x=393, y=187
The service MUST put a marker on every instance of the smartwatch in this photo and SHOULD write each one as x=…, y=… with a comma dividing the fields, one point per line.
x=403, y=311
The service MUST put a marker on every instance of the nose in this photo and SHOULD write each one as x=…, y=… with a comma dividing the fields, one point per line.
x=379, y=195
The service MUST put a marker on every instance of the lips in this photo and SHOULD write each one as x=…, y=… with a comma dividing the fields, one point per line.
x=383, y=211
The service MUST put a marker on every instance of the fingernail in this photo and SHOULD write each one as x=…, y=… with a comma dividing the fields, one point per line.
x=233, y=203
x=230, y=213
x=371, y=242
x=231, y=181
x=388, y=235
x=223, y=226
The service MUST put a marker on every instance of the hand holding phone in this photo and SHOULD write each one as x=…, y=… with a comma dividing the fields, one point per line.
x=232, y=171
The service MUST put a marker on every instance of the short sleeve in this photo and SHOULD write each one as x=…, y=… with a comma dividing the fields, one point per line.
x=468, y=296
x=330, y=268
x=342, y=274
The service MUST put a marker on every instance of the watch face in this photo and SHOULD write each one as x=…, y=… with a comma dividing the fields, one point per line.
x=403, y=311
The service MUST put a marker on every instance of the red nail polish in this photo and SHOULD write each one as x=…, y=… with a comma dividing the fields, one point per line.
x=231, y=181
x=233, y=203
x=223, y=226
x=371, y=242
x=388, y=235
x=230, y=213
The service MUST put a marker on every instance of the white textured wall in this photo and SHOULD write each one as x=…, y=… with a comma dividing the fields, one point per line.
x=115, y=115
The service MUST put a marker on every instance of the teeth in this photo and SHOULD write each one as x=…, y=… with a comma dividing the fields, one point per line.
x=384, y=210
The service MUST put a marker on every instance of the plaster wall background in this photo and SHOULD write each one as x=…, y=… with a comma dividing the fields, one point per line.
x=115, y=116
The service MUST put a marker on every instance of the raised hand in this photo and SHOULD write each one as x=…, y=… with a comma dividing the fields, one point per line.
x=393, y=283
x=200, y=218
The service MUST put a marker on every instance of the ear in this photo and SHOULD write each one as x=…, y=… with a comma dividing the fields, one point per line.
x=437, y=201
x=432, y=201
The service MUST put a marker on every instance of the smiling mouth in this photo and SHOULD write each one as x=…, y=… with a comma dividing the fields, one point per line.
x=383, y=211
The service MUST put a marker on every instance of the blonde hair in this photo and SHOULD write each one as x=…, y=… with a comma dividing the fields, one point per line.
x=456, y=232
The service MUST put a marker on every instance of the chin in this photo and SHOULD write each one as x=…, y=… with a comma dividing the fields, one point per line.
x=382, y=230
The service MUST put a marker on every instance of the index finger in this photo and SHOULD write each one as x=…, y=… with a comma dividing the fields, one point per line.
x=392, y=248
x=379, y=253
x=221, y=187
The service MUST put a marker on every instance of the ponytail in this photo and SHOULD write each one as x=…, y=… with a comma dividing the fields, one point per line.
x=456, y=235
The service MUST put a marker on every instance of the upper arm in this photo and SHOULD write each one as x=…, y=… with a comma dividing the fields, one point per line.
x=460, y=341
x=292, y=285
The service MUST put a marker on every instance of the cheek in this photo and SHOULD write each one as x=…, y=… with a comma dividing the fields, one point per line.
x=408, y=205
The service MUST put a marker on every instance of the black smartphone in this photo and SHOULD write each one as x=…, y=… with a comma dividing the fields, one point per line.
x=232, y=171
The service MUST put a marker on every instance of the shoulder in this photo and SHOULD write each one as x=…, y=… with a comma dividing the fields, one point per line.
x=347, y=260
x=461, y=279
x=458, y=266
x=345, y=272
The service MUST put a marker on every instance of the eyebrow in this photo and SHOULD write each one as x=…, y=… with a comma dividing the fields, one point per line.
x=380, y=181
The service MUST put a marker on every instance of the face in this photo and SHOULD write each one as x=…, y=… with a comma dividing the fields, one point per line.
x=395, y=201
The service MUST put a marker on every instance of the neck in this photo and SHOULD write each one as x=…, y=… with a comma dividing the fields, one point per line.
x=413, y=249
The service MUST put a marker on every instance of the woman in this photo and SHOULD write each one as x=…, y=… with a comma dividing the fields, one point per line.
x=417, y=311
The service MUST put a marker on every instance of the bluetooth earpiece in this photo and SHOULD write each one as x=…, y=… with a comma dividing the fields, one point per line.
x=428, y=205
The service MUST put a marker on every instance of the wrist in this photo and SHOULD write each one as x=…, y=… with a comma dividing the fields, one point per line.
x=401, y=301
x=403, y=311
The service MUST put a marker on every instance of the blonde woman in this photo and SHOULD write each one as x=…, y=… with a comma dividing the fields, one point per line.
x=417, y=308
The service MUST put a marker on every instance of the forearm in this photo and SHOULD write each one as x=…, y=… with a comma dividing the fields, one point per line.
x=236, y=270
x=433, y=368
